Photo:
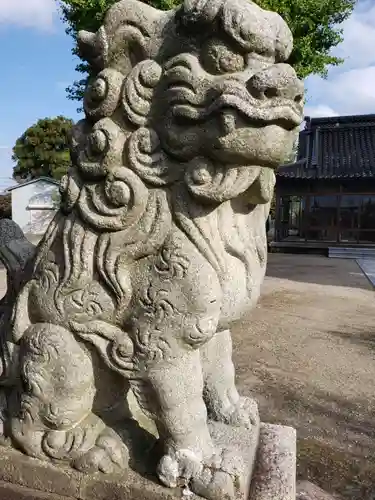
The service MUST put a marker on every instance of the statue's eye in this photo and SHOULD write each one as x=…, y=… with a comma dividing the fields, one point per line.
x=218, y=58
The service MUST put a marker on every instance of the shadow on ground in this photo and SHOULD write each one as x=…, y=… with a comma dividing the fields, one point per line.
x=307, y=354
x=336, y=442
x=317, y=269
x=358, y=337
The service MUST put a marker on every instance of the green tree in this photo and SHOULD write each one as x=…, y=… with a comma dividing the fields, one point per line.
x=315, y=25
x=5, y=206
x=43, y=149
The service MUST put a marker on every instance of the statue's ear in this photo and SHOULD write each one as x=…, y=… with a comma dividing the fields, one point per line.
x=131, y=33
x=93, y=48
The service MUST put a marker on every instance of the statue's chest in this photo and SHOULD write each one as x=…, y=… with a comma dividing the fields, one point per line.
x=235, y=244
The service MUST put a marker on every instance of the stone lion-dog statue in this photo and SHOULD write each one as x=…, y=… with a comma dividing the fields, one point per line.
x=159, y=243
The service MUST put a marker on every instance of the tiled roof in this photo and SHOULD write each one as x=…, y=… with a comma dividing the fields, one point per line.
x=335, y=147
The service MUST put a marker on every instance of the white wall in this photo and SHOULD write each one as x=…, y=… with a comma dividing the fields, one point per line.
x=33, y=206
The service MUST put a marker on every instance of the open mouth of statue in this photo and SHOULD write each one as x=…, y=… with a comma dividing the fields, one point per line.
x=235, y=112
x=285, y=113
x=233, y=119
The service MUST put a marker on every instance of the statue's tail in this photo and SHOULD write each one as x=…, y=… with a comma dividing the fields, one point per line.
x=16, y=253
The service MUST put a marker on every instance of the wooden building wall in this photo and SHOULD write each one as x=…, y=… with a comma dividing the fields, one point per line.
x=325, y=210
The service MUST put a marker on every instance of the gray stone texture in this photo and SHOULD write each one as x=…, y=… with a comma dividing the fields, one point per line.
x=9, y=231
x=13, y=492
x=158, y=247
x=275, y=474
x=15, y=253
x=38, y=479
x=309, y=491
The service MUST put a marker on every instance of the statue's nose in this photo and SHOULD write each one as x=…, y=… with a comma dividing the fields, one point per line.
x=277, y=81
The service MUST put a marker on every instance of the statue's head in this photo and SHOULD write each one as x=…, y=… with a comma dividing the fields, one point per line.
x=200, y=94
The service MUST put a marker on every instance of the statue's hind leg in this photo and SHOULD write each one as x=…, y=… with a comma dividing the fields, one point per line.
x=220, y=393
x=52, y=409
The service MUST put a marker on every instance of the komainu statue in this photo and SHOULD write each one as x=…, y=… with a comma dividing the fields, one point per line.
x=158, y=246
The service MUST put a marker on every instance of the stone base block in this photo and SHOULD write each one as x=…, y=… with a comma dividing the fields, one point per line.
x=273, y=468
x=274, y=476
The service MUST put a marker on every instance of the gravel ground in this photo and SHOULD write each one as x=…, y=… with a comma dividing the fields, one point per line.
x=307, y=354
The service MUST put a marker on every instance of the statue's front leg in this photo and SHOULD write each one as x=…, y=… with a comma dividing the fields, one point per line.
x=190, y=457
x=220, y=393
x=182, y=417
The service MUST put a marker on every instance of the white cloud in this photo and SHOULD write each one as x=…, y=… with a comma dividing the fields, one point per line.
x=349, y=88
x=28, y=13
x=354, y=90
x=359, y=38
x=319, y=110
x=348, y=93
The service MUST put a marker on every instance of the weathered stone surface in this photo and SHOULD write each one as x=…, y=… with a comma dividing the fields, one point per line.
x=35, y=474
x=309, y=491
x=9, y=231
x=159, y=245
x=13, y=492
x=38, y=475
x=36, y=479
x=15, y=253
x=275, y=474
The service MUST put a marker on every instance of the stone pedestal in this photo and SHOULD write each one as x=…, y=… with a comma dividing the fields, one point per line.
x=273, y=478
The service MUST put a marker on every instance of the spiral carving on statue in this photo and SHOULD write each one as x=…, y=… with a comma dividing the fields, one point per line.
x=115, y=204
x=101, y=148
x=103, y=94
x=211, y=182
x=138, y=91
x=149, y=161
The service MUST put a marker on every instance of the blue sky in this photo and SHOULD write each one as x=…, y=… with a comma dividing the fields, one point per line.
x=37, y=66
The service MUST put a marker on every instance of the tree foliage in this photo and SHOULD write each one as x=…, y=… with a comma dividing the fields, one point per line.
x=5, y=206
x=43, y=149
x=315, y=25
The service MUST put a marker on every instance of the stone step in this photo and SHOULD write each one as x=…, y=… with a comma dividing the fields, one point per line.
x=351, y=253
x=275, y=470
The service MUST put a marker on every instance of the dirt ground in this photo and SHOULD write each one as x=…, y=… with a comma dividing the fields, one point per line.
x=307, y=353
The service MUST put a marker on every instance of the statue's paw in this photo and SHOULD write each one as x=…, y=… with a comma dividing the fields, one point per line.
x=221, y=478
x=242, y=414
x=178, y=468
x=245, y=413
x=214, y=479
x=109, y=455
